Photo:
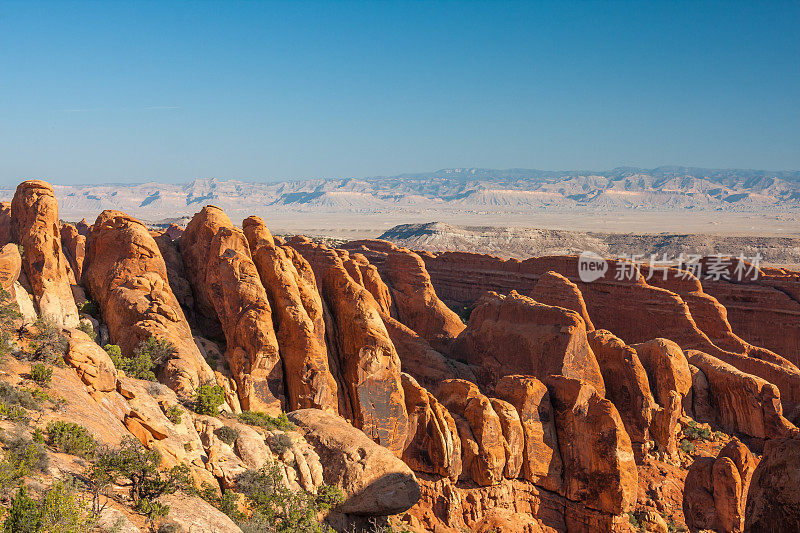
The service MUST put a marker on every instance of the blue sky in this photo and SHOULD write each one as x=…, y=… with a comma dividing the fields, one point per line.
x=170, y=91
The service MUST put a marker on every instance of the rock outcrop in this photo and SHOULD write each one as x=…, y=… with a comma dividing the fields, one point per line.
x=554, y=289
x=126, y=275
x=716, y=489
x=35, y=225
x=541, y=458
x=599, y=467
x=229, y=294
x=487, y=458
x=74, y=246
x=433, y=445
x=627, y=385
x=368, y=361
x=373, y=480
x=516, y=335
x=773, y=501
x=742, y=403
x=309, y=382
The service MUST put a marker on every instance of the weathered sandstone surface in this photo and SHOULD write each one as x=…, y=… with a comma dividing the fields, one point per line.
x=309, y=382
x=35, y=225
x=125, y=273
x=228, y=290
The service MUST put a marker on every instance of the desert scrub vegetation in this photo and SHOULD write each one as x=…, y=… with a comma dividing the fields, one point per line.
x=228, y=503
x=131, y=461
x=148, y=355
x=278, y=509
x=8, y=316
x=173, y=414
x=61, y=508
x=71, y=438
x=21, y=458
x=15, y=403
x=208, y=399
x=257, y=418
x=227, y=434
x=48, y=343
x=90, y=308
x=41, y=374
x=87, y=328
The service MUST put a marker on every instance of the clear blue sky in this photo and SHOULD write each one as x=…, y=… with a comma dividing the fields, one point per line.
x=131, y=91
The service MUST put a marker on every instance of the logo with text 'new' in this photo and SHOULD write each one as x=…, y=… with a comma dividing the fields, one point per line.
x=591, y=267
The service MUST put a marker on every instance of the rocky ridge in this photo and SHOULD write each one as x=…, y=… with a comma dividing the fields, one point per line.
x=558, y=405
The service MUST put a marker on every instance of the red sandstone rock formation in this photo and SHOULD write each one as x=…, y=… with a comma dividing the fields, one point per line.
x=554, y=289
x=627, y=385
x=6, y=235
x=74, y=246
x=464, y=277
x=35, y=225
x=541, y=458
x=599, y=468
x=773, y=501
x=126, y=275
x=516, y=335
x=309, y=383
x=416, y=301
x=10, y=266
x=433, y=445
x=368, y=361
x=715, y=491
x=742, y=402
x=488, y=453
x=227, y=288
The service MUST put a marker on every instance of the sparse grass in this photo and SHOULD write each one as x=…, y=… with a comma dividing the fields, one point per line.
x=256, y=418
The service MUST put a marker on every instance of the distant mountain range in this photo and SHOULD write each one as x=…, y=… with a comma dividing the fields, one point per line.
x=451, y=190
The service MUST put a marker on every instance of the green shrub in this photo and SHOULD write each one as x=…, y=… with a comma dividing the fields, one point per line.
x=686, y=446
x=139, y=466
x=87, y=328
x=60, y=509
x=49, y=343
x=23, y=515
x=208, y=399
x=41, y=374
x=71, y=438
x=139, y=366
x=277, y=508
x=280, y=443
x=174, y=413
x=21, y=457
x=150, y=353
x=256, y=418
x=227, y=434
x=9, y=313
x=696, y=432
x=228, y=503
x=91, y=308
